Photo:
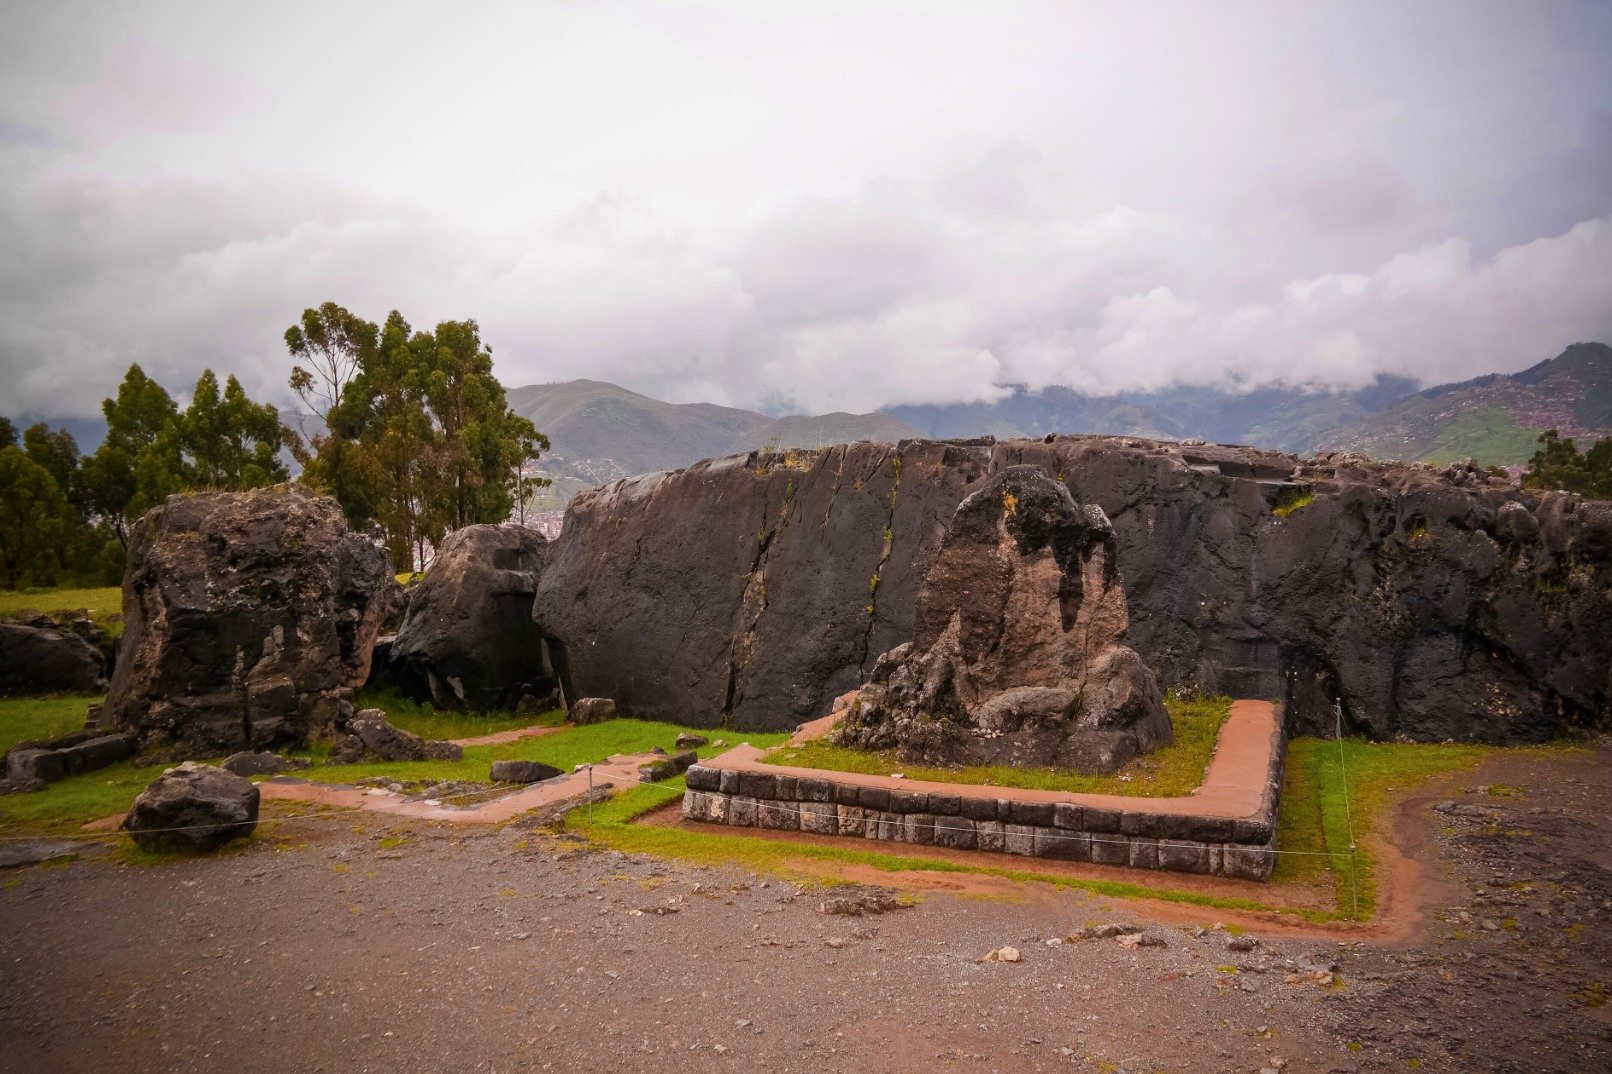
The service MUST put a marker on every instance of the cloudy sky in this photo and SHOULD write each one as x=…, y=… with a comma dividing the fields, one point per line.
x=812, y=206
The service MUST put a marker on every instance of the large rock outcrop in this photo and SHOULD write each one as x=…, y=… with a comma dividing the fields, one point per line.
x=248, y=619
x=1017, y=655
x=751, y=591
x=38, y=656
x=468, y=641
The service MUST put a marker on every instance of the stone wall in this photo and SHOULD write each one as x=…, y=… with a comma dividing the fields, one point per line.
x=1073, y=829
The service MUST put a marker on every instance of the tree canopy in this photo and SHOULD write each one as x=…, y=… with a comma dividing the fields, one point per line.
x=418, y=437
x=66, y=519
x=1558, y=464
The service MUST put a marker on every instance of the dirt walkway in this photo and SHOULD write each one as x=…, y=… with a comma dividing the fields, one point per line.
x=618, y=773
x=473, y=948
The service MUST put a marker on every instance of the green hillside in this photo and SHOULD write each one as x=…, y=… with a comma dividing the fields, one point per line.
x=1495, y=419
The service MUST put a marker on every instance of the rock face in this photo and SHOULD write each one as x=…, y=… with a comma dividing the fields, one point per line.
x=468, y=640
x=750, y=591
x=1017, y=654
x=193, y=807
x=371, y=737
x=38, y=657
x=248, y=619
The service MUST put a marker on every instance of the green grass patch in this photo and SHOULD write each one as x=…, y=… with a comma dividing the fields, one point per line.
x=564, y=750
x=1317, y=816
x=427, y=721
x=65, y=806
x=100, y=602
x=1167, y=773
x=1292, y=499
x=612, y=826
x=34, y=719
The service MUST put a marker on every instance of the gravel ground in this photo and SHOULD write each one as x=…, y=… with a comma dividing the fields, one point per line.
x=327, y=949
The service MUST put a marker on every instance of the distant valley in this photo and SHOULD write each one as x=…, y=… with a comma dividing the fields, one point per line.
x=600, y=432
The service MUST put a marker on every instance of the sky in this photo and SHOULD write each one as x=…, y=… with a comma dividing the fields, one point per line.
x=807, y=207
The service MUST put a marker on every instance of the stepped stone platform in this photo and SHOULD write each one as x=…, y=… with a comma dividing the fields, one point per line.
x=1227, y=827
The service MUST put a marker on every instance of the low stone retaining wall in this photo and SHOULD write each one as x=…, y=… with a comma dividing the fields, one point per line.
x=1150, y=834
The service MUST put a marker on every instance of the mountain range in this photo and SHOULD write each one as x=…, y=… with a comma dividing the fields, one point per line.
x=600, y=432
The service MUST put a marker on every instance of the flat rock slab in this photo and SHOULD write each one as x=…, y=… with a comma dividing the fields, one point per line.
x=35, y=851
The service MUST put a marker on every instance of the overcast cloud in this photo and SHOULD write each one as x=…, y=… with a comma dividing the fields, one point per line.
x=810, y=206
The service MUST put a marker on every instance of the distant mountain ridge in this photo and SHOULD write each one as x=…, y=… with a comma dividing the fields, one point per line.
x=600, y=432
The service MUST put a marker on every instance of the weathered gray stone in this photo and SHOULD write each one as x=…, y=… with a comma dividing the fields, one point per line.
x=40, y=657
x=1144, y=854
x=1019, y=839
x=193, y=807
x=468, y=640
x=1500, y=596
x=1039, y=813
x=784, y=816
x=703, y=779
x=687, y=741
x=991, y=836
x=248, y=617
x=592, y=710
x=742, y=811
x=1183, y=857
x=1061, y=844
x=956, y=833
x=918, y=829
x=371, y=737
x=247, y=763
x=1110, y=849
x=852, y=821
x=820, y=818
x=523, y=771
x=1017, y=654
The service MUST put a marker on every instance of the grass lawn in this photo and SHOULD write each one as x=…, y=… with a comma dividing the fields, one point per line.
x=100, y=602
x=427, y=721
x=32, y=719
x=1167, y=773
x=1317, y=816
x=63, y=807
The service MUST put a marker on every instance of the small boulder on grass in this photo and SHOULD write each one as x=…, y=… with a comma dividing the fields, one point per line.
x=593, y=710
x=193, y=807
x=247, y=763
x=523, y=771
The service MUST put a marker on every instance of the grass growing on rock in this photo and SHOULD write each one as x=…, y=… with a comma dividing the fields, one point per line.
x=34, y=719
x=1167, y=773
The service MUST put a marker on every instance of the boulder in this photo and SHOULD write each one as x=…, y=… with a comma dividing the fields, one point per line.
x=39, y=657
x=371, y=737
x=248, y=763
x=750, y=592
x=523, y=771
x=593, y=710
x=675, y=765
x=249, y=617
x=687, y=741
x=1017, y=656
x=193, y=807
x=468, y=640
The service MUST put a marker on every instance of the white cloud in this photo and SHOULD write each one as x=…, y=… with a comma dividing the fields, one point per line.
x=829, y=207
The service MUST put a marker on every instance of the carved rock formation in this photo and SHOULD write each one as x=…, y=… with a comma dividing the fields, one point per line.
x=468, y=640
x=248, y=619
x=749, y=592
x=1017, y=655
